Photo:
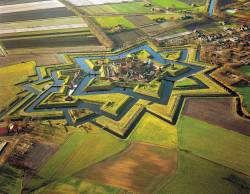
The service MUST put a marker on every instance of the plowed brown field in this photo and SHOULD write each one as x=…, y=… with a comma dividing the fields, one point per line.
x=141, y=168
x=217, y=111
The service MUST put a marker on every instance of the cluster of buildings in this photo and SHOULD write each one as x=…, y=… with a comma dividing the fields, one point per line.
x=182, y=38
x=228, y=34
x=230, y=47
x=8, y=126
x=130, y=68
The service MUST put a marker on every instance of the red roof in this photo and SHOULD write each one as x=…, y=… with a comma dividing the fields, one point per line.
x=3, y=130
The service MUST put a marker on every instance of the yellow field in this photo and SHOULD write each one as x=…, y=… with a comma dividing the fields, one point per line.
x=10, y=76
x=153, y=130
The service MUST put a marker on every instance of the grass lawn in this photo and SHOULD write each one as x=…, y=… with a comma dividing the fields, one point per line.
x=103, y=98
x=80, y=150
x=245, y=93
x=153, y=130
x=200, y=176
x=10, y=180
x=11, y=75
x=133, y=7
x=214, y=143
x=185, y=82
x=175, y=70
x=75, y=185
x=173, y=56
x=115, y=108
x=110, y=22
x=143, y=55
x=171, y=4
x=152, y=89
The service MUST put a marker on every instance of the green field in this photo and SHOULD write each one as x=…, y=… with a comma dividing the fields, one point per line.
x=214, y=143
x=80, y=150
x=153, y=130
x=171, y=3
x=199, y=176
x=134, y=7
x=245, y=93
x=110, y=22
x=121, y=8
x=167, y=16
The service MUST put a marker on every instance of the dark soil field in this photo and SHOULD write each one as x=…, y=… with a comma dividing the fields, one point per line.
x=152, y=29
x=140, y=20
x=68, y=41
x=217, y=111
x=39, y=154
x=41, y=59
x=123, y=37
x=141, y=168
x=35, y=15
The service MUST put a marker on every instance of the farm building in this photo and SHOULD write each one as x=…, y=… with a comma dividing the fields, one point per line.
x=3, y=130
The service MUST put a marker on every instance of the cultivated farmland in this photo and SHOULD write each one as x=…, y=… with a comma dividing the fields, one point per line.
x=68, y=41
x=129, y=171
x=207, y=177
x=34, y=15
x=215, y=143
x=124, y=97
x=222, y=107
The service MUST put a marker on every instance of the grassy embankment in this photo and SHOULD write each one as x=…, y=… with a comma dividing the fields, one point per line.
x=120, y=127
x=168, y=110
